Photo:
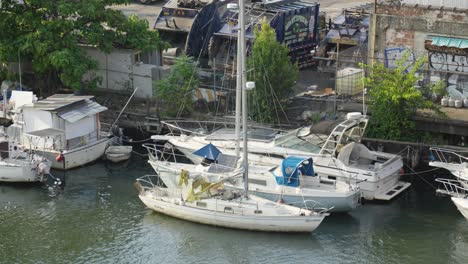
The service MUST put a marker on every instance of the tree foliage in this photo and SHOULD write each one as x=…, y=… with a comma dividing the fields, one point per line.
x=176, y=90
x=273, y=72
x=395, y=99
x=48, y=33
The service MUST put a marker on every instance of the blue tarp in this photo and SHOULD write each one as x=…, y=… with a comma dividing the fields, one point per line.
x=291, y=168
x=208, y=152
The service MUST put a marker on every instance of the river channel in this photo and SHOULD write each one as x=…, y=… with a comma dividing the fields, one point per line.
x=98, y=218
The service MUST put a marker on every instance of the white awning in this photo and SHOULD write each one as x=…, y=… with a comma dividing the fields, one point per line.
x=48, y=132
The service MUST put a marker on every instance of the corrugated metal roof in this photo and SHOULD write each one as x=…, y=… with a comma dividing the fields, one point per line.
x=450, y=42
x=57, y=101
x=87, y=108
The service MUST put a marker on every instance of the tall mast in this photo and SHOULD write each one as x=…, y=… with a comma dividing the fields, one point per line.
x=238, y=87
x=244, y=93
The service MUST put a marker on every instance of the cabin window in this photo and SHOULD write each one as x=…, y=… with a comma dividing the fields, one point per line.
x=137, y=58
x=258, y=212
x=332, y=177
x=228, y=209
x=201, y=204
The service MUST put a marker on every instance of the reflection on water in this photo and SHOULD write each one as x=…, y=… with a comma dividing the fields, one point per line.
x=99, y=219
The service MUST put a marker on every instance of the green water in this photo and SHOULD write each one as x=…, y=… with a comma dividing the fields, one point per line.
x=99, y=219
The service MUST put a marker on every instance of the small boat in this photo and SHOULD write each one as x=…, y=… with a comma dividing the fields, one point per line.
x=458, y=193
x=118, y=153
x=216, y=206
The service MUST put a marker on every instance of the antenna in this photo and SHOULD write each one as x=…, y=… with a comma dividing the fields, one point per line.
x=19, y=66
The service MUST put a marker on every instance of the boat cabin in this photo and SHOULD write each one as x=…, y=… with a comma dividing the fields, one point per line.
x=61, y=122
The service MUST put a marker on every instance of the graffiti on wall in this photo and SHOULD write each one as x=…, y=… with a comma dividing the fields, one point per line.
x=392, y=55
x=440, y=61
x=453, y=68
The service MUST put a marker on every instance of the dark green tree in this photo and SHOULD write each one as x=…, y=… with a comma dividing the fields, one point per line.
x=273, y=72
x=394, y=99
x=176, y=90
x=48, y=33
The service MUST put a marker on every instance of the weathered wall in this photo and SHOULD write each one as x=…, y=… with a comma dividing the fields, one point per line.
x=408, y=27
x=122, y=70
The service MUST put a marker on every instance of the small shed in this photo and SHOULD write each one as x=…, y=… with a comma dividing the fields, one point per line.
x=62, y=121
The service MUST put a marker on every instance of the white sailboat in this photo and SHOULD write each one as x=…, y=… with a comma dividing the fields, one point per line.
x=202, y=201
x=292, y=181
x=452, y=161
x=226, y=208
x=338, y=156
x=458, y=193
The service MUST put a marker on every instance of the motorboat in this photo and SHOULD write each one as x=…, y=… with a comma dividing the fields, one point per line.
x=118, y=153
x=214, y=205
x=452, y=161
x=458, y=193
x=292, y=181
x=338, y=156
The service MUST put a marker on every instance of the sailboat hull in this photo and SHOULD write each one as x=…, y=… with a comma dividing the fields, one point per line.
x=337, y=204
x=228, y=220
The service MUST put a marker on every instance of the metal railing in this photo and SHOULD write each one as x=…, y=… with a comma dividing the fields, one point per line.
x=453, y=188
x=165, y=152
x=449, y=155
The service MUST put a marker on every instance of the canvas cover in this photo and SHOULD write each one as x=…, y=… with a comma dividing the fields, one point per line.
x=294, y=167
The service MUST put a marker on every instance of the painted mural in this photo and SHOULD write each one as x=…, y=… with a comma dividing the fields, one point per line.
x=296, y=28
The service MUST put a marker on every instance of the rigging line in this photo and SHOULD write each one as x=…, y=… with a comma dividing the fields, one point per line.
x=418, y=172
x=276, y=98
x=228, y=47
x=265, y=78
x=422, y=178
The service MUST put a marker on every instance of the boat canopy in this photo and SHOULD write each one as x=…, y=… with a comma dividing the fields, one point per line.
x=209, y=151
x=293, y=168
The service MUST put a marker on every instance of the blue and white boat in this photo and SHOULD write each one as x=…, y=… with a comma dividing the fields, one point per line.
x=293, y=181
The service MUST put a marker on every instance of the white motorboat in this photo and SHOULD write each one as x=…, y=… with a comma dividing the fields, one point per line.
x=452, y=161
x=458, y=193
x=227, y=209
x=64, y=128
x=292, y=181
x=118, y=153
x=338, y=156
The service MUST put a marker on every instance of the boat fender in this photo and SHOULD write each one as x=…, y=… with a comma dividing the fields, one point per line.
x=402, y=171
x=60, y=157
